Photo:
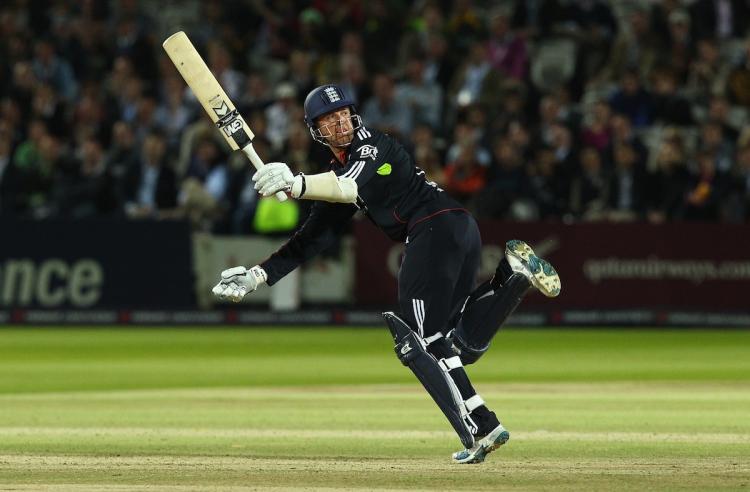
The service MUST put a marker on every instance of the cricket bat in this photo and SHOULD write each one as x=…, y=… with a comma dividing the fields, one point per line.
x=212, y=97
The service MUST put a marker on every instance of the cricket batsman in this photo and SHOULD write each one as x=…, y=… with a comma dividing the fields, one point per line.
x=444, y=323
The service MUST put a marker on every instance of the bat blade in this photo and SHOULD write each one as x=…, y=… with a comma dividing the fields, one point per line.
x=207, y=90
x=212, y=97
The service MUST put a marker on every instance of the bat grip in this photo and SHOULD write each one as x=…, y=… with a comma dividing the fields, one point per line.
x=255, y=159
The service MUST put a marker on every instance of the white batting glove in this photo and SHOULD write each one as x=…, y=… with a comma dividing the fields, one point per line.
x=275, y=177
x=236, y=282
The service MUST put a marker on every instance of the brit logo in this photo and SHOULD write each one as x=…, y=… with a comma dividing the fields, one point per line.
x=368, y=151
x=332, y=94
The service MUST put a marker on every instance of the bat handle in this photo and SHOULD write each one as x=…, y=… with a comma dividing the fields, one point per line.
x=257, y=162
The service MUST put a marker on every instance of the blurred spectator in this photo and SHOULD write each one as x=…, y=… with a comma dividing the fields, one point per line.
x=151, y=186
x=506, y=51
x=597, y=132
x=381, y=28
x=550, y=114
x=353, y=77
x=128, y=98
x=27, y=154
x=635, y=46
x=464, y=137
x=740, y=198
x=88, y=191
x=714, y=143
x=464, y=23
x=706, y=191
x=425, y=99
x=627, y=186
x=738, y=82
x=121, y=73
x=256, y=95
x=46, y=106
x=427, y=153
x=300, y=73
x=718, y=112
x=470, y=78
x=281, y=113
x=680, y=46
x=512, y=108
x=507, y=182
x=669, y=107
x=668, y=184
x=537, y=17
x=708, y=72
x=220, y=63
x=384, y=112
x=439, y=65
x=44, y=180
x=173, y=114
x=596, y=29
x=475, y=118
x=90, y=117
x=549, y=185
x=23, y=85
x=520, y=137
x=589, y=189
x=8, y=181
x=145, y=116
x=204, y=190
x=428, y=22
x=132, y=43
x=623, y=133
x=56, y=71
x=464, y=175
x=562, y=145
x=209, y=168
x=298, y=153
x=123, y=153
x=633, y=100
x=719, y=19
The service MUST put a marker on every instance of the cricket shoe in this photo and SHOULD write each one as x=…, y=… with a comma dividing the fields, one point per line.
x=540, y=272
x=484, y=446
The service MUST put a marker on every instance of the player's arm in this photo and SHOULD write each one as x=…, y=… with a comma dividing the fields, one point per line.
x=369, y=156
x=318, y=232
x=327, y=187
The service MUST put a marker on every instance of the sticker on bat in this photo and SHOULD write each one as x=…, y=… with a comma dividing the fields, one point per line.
x=219, y=106
x=232, y=126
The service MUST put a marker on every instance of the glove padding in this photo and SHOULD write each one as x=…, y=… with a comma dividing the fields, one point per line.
x=275, y=177
x=236, y=282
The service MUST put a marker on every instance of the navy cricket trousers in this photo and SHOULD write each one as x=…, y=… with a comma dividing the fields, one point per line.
x=438, y=270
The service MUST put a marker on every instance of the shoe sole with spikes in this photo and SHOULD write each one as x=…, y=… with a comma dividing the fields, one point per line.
x=496, y=438
x=539, y=271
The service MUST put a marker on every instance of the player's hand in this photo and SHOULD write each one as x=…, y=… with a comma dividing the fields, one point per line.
x=236, y=282
x=275, y=177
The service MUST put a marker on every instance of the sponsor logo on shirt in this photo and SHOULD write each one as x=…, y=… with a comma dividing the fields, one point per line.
x=368, y=151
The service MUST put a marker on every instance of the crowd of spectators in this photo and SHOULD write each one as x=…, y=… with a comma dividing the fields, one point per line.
x=522, y=109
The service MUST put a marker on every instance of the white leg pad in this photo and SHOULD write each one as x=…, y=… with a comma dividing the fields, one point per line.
x=473, y=403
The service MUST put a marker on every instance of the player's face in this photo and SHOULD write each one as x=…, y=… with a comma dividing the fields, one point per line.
x=336, y=127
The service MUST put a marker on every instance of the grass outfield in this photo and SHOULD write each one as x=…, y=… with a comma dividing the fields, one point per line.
x=302, y=409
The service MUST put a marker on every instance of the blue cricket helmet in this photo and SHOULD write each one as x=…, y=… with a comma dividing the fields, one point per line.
x=325, y=99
